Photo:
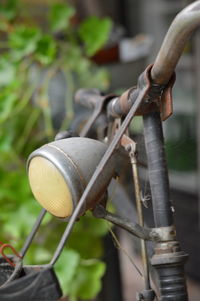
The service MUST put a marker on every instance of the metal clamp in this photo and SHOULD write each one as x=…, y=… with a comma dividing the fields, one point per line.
x=163, y=234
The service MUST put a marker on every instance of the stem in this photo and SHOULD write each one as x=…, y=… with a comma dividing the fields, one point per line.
x=27, y=130
x=68, y=99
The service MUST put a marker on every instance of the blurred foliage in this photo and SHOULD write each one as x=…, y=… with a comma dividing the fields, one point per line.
x=181, y=139
x=99, y=35
x=26, y=123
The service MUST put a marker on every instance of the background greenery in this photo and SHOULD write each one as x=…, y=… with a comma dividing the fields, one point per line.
x=26, y=123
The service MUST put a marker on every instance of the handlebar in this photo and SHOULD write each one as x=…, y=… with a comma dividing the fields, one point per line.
x=172, y=47
x=168, y=56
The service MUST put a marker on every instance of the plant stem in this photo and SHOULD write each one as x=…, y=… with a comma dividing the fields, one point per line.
x=68, y=99
x=27, y=130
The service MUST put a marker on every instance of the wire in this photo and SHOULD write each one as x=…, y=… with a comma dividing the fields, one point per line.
x=119, y=246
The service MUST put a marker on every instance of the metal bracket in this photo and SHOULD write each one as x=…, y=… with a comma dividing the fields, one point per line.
x=130, y=146
x=163, y=234
x=133, y=228
x=158, y=98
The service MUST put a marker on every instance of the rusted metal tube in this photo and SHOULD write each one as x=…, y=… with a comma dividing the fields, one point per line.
x=172, y=47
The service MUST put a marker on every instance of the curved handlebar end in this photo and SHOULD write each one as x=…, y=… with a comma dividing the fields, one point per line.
x=173, y=45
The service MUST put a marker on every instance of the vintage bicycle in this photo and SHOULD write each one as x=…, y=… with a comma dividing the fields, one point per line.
x=71, y=175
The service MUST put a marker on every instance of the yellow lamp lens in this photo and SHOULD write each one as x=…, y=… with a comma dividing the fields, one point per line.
x=49, y=187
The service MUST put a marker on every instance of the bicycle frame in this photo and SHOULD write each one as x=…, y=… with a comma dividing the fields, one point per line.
x=168, y=259
x=152, y=99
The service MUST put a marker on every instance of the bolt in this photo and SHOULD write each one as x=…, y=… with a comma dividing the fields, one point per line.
x=128, y=147
x=139, y=297
x=155, y=236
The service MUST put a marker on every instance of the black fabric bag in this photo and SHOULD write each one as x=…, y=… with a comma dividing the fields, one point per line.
x=27, y=283
x=19, y=282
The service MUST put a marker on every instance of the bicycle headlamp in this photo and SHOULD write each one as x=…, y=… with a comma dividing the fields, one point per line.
x=59, y=172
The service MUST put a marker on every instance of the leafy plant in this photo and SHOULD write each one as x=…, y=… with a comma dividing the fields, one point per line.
x=31, y=59
x=94, y=39
x=60, y=16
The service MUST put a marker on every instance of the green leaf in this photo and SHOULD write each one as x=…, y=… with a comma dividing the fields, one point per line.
x=66, y=268
x=8, y=9
x=60, y=15
x=84, y=246
x=41, y=255
x=94, y=32
x=93, y=226
x=23, y=41
x=46, y=50
x=89, y=228
x=87, y=281
x=15, y=188
x=20, y=221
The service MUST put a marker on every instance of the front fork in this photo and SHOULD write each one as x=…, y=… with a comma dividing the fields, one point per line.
x=168, y=259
